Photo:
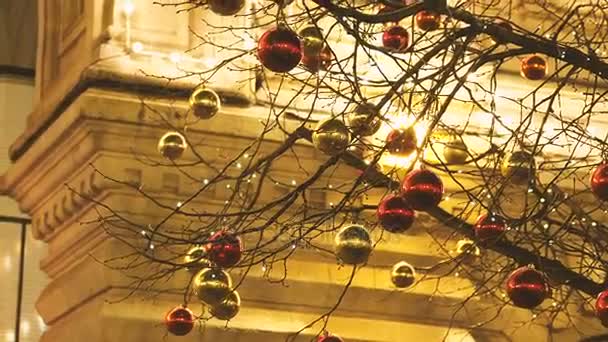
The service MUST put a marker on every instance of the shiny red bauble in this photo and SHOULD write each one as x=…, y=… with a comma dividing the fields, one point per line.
x=422, y=189
x=601, y=307
x=395, y=214
x=599, y=182
x=428, y=20
x=396, y=38
x=321, y=61
x=490, y=227
x=179, y=321
x=224, y=249
x=279, y=49
x=534, y=68
x=527, y=287
x=226, y=7
x=402, y=142
x=329, y=338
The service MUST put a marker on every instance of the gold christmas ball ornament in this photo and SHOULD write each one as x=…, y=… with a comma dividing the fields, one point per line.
x=364, y=120
x=195, y=259
x=331, y=136
x=312, y=40
x=204, y=103
x=212, y=285
x=172, y=145
x=455, y=151
x=403, y=275
x=518, y=167
x=353, y=244
x=228, y=308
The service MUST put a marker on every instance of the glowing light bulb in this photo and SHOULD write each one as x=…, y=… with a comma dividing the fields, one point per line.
x=137, y=47
x=128, y=7
x=175, y=57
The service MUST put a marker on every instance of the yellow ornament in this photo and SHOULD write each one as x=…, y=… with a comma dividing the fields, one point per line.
x=204, y=103
x=331, y=136
x=403, y=274
x=365, y=120
x=212, y=285
x=172, y=145
x=312, y=40
x=467, y=249
x=195, y=259
x=353, y=244
x=228, y=308
x=518, y=167
x=455, y=151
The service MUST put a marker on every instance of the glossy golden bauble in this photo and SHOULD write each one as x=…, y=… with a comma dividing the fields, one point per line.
x=331, y=136
x=172, y=145
x=353, y=244
x=312, y=40
x=195, y=259
x=212, y=285
x=228, y=308
x=534, y=68
x=403, y=274
x=204, y=103
x=455, y=151
x=364, y=120
x=518, y=167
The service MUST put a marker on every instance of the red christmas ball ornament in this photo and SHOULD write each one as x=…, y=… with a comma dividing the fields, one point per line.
x=226, y=7
x=329, y=338
x=179, y=321
x=402, y=142
x=321, y=61
x=428, y=20
x=601, y=307
x=279, y=49
x=534, y=68
x=396, y=38
x=395, y=214
x=490, y=227
x=422, y=189
x=527, y=287
x=224, y=249
x=599, y=182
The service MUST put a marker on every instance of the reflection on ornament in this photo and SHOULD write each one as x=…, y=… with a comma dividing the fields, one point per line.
x=601, y=307
x=204, y=103
x=179, y=321
x=490, y=227
x=395, y=214
x=195, y=259
x=224, y=249
x=321, y=61
x=353, y=244
x=518, y=167
x=225, y=7
x=279, y=49
x=228, y=308
x=422, y=189
x=467, y=249
x=455, y=151
x=534, y=68
x=212, y=285
x=527, y=287
x=428, y=20
x=172, y=145
x=396, y=38
x=364, y=120
x=402, y=142
x=403, y=274
x=312, y=40
x=331, y=136
x=599, y=182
